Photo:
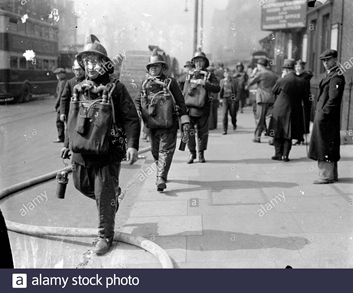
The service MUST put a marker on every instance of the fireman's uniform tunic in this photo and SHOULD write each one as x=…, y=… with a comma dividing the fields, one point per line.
x=163, y=141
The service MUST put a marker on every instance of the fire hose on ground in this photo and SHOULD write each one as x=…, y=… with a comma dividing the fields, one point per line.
x=138, y=241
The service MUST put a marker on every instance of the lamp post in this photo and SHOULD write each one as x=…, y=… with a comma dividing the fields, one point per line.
x=195, y=24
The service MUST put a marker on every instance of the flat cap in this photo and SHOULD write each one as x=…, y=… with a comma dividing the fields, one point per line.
x=59, y=70
x=328, y=54
x=189, y=64
x=288, y=63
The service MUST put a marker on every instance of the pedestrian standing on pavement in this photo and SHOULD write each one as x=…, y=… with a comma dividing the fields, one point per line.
x=287, y=116
x=306, y=75
x=213, y=120
x=265, y=80
x=242, y=78
x=158, y=104
x=69, y=90
x=197, y=89
x=61, y=76
x=325, y=138
x=189, y=66
x=96, y=175
x=230, y=96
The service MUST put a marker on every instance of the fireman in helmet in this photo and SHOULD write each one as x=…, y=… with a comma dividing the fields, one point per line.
x=161, y=105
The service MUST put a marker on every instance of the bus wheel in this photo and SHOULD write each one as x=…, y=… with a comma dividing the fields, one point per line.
x=25, y=94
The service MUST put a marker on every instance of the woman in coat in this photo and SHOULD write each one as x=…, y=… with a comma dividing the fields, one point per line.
x=287, y=117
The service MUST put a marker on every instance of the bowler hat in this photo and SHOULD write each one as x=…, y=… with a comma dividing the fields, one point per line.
x=262, y=61
x=188, y=64
x=330, y=53
x=288, y=63
x=59, y=70
x=156, y=59
x=199, y=54
x=93, y=45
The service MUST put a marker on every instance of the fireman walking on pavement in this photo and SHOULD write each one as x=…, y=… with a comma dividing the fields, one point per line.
x=160, y=104
x=96, y=173
x=197, y=89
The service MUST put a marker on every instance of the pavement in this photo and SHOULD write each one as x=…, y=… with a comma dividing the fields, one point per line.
x=240, y=209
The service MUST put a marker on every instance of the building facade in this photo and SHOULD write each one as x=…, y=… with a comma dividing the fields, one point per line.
x=327, y=26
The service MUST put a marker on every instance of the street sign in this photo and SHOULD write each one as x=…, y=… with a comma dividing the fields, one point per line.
x=279, y=15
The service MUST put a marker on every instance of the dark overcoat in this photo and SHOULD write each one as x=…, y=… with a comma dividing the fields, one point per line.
x=287, y=116
x=325, y=138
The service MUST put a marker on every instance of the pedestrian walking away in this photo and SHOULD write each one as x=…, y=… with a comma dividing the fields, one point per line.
x=230, y=96
x=197, y=89
x=287, y=122
x=325, y=138
x=265, y=80
x=101, y=114
x=160, y=105
x=61, y=76
x=242, y=77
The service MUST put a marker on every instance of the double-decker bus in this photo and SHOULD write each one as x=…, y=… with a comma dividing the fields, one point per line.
x=19, y=77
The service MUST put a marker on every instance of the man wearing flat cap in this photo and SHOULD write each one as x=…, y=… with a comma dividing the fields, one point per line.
x=61, y=76
x=265, y=80
x=325, y=139
x=287, y=116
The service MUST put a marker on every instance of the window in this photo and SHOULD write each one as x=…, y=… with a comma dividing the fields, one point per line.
x=45, y=32
x=39, y=64
x=21, y=27
x=23, y=63
x=45, y=64
x=14, y=62
x=37, y=30
x=12, y=24
x=31, y=64
x=30, y=29
x=325, y=40
x=51, y=34
x=52, y=64
x=313, y=40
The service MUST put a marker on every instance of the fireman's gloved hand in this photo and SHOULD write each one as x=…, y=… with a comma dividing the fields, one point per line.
x=65, y=153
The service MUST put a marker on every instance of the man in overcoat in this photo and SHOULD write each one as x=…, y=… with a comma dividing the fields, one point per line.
x=287, y=116
x=265, y=80
x=325, y=139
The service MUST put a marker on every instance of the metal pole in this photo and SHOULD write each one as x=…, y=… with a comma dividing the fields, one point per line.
x=201, y=26
x=195, y=24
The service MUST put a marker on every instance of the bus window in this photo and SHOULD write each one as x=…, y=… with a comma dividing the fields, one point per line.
x=31, y=65
x=52, y=65
x=37, y=30
x=23, y=63
x=45, y=32
x=21, y=27
x=39, y=64
x=51, y=34
x=45, y=64
x=30, y=30
x=12, y=24
x=14, y=62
